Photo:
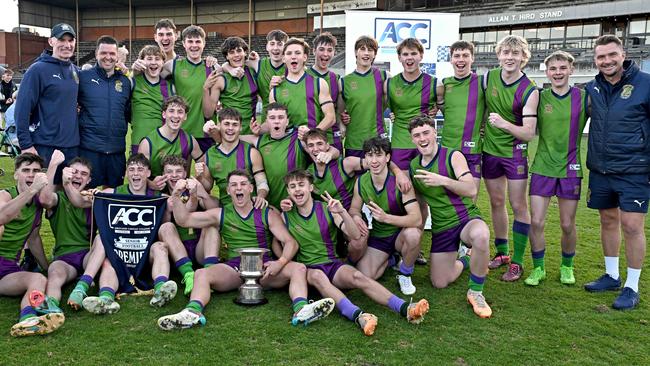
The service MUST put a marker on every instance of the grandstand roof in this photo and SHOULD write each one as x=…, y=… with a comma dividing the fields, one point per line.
x=94, y=4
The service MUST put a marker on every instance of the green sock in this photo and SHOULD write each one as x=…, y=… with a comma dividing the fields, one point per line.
x=520, y=239
x=82, y=286
x=195, y=306
x=502, y=246
x=107, y=292
x=26, y=313
x=476, y=282
x=298, y=303
x=567, y=259
x=53, y=301
x=465, y=261
x=185, y=268
x=538, y=259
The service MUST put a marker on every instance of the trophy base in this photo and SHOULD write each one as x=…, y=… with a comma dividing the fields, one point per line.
x=250, y=302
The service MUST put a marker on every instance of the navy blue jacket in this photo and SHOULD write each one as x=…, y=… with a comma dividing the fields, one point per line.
x=619, y=133
x=105, y=105
x=47, y=104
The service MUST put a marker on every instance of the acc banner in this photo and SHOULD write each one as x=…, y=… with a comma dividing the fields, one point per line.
x=128, y=225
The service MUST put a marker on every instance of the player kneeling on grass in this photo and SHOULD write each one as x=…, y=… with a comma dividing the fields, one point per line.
x=314, y=225
x=443, y=180
x=241, y=226
x=21, y=213
x=561, y=117
x=395, y=217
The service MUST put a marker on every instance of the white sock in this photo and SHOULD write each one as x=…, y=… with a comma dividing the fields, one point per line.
x=632, y=280
x=611, y=267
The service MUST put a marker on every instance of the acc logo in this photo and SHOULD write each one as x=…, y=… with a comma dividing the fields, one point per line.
x=391, y=31
x=627, y=91
x=131, y=215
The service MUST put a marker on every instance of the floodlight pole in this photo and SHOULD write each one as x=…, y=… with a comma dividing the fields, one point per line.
x=250, y=20
x=76, y=14
x=130, y=30
x=321, y=16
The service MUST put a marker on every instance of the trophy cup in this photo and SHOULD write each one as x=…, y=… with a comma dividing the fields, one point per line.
x=251, y=270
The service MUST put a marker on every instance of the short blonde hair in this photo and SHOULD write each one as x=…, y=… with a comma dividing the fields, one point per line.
x=515, y=42
x=559, y=56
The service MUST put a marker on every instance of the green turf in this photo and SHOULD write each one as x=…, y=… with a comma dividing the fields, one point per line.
x=550, y=324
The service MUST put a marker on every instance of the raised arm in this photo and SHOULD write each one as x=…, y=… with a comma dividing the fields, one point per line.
x=184, y=218
x=413, y=218
x=212, y=89
x=341, y=217
x=48, y=196
x=327, y=106
x=10, y=208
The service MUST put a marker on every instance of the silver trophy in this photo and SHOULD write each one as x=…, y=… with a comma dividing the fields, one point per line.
x=251, y=270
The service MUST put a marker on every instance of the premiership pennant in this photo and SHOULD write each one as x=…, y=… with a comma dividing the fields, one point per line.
x=128, y=225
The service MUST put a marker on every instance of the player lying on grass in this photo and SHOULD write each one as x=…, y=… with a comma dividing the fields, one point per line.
x=243, y=226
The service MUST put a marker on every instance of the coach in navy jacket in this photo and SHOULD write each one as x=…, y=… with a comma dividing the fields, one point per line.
x=46, y=112
x=619, y=162
x=104, y=100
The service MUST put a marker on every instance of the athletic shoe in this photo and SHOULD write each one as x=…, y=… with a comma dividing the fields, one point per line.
x=603, y=283
x=421, y=259
x=76, y=298
x=49, y=306
x=463, y=250
x=165, y=294
x=627, y=300
x=367, y=322
x=43, y=324
x=313, y=311
x=416, y=311
x=498, y=261
x=101, y=305
x=480, y=306
x=566, y=275
x=405, y=284
x=188, y=280
x=183, y=320
x=536, y=276
x=515, y=271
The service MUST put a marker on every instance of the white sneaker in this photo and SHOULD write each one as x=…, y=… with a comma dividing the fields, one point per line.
x=43, y=324
x=100, y=305
x=405, y=284
x=164, y=295
x=463, y=250
x=183, y=320
x=314, y=311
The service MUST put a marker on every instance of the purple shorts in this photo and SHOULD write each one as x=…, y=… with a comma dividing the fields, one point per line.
x=8, y=266
x=567, y=188
x=448, y=240
x=474, y=164
x=329, y=269
x=402, y=157
x=352, y=152
x=513, y=168
x=75, y=259
x=190, y=246
x=386, y=245
x=205, y=143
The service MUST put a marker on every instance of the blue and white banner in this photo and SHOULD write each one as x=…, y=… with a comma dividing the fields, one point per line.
x=128, y=225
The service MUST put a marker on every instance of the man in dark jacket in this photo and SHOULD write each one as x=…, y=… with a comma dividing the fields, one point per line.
x=619, y=162
x=46, y=113
x=104, y=100
x=7, y=89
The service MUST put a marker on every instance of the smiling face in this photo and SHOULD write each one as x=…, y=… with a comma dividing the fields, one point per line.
x=174, y=173
x=424, y=138
x=106, y=55
x=194, y=48
x=25, y=173
x=558, y=72
x=274, y=48
x=80, y=176
x=278, y=121
x=609, y=59
x=63, y=48
x=236, y=57
x=230, y=130
x=295, y=58
x=239, y=189
x=174, y=116
x=410, y=59
x=377, y=161
x=462, y=60
x=316, y=145
x=511, y=59
x=136, y=175
x=323, y=55
x=154, y=65
x=165, y=37
x=299, y=191
x=365, y=56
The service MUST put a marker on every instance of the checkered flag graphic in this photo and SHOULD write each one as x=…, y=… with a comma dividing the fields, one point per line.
x=443, y=54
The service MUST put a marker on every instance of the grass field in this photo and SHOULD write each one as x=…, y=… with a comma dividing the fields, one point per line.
x=551, y=324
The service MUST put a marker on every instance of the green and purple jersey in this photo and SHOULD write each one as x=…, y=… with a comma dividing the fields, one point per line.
x=332, y=80
x=70, y=226
x=280, y=157
x=447, y=209
x=18, y=230
x=240, y=94
x=220, y=164
x=160, y=147
x=316, y=234
x=508, y=100
x=240, y=232
x=265, y=71
x=560, y=121
x=124, y=189
x=389, y=198
x=364, y=101
x=301, y=99
x=407, y=100
x=188, y=80
x=464, y=112
x=334, y=181
x=146, y=106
